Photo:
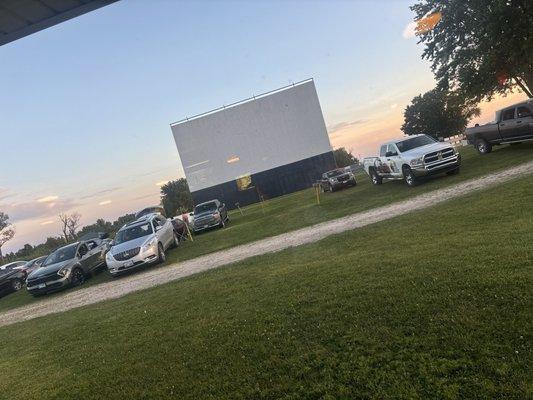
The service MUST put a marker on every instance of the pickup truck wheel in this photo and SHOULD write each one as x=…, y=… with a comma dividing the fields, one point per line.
x=161, y=253
x=483, y=147
x=16, y=285
x=375, y=178
x=409, y=177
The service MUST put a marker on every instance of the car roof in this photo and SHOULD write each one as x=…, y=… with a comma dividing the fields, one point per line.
x=207, y=202
x=528, y=101
x=401, y=139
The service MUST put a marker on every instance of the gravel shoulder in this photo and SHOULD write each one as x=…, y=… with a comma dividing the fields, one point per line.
x=151, y=278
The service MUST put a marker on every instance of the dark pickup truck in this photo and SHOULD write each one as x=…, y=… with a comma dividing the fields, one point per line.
x=513, y=124
x=336, y=179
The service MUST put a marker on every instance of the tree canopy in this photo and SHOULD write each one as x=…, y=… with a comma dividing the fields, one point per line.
x=176, y=197
x=343, y=157
x=7, y=231
x=478, y=48
x=437, y=113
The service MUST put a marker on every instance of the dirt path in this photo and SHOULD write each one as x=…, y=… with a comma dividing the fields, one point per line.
x=150, y=278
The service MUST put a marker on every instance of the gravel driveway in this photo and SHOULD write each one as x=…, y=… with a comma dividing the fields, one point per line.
x=150, y=278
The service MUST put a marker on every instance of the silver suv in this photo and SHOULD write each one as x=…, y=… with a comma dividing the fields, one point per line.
x=141, y=242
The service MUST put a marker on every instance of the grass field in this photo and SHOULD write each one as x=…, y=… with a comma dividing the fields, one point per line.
x=300, y=209
x=433, y=304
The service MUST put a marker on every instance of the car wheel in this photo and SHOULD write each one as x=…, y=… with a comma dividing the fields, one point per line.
x=78, y=277
x=176, y=240
x=16, y=285
x=409, y=177
x=161, y=253
x=483, y=147
x=375, y=178
x=453, y=172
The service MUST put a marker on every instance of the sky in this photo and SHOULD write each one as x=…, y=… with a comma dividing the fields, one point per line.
x=85, y=106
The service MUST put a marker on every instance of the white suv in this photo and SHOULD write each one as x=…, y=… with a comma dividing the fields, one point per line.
x=141, y=242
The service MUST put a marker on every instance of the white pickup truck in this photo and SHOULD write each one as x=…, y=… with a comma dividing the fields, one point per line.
x=411, y=158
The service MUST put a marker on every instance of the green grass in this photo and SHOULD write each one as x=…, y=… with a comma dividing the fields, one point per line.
x=433, y=304
x=299, y=209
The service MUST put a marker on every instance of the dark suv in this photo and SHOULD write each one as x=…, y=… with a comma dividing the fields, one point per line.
x=210, y=214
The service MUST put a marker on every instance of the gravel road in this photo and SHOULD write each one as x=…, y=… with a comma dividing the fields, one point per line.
x=150, y=278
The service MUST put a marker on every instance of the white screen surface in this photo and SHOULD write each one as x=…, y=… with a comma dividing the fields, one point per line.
x=251, y=137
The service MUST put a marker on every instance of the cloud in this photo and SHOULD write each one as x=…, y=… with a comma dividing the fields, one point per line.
x=409, y=31
x=23, y=211
x=161, y=183
x=105, y=202
x=345, y=124
x=99, y=193
x=47, y=199
x=394, y=106
x=47, y=223
x=5, y=193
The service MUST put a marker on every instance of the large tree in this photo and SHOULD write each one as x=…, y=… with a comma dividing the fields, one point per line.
x=7, y=232
x=437, y=113
x=343, y=157
x=478, y=48
x=176, y=197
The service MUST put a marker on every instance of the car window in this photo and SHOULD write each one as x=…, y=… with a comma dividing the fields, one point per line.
x=508, y=114
x=392, y=148
x=523, y=112
x=383, y=150
x=82, y=250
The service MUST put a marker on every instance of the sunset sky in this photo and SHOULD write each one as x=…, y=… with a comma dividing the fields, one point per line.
x=85, y=106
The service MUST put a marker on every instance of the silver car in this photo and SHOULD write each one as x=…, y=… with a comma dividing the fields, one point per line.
x=141, y=242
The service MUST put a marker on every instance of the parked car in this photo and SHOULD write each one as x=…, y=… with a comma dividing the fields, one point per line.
x=336, y=179
x=150, y=210
x=179, y=227
x=67, y=266
x=32, y=265
x=141, y=242
x=412, y=158
x=12, y=277
x=210, y=214
x=513, y=124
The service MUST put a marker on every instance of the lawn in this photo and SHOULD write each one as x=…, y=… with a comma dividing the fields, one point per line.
x=433, y=304
x=299, y=209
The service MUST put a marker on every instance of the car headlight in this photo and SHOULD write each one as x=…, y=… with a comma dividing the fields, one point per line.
x=149, y=244
x=416, y=161
x=109, y=256
x=332, y=180
x=216, y=215
x=63, y=271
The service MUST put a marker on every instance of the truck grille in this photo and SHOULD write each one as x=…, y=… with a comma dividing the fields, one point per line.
x=126, y=255
x=438, y=155
x=204, y=220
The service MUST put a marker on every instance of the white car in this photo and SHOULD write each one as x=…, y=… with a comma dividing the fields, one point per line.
x=141, y=242
x=411, y=158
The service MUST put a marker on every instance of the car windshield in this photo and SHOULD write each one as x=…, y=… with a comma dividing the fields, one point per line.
x=133, y=232
x=335, y=172
x=205, y=207
x=413, y=143
x=61, y=254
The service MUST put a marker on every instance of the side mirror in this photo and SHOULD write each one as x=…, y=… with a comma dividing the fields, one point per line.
x=390, y=154
x=158, y=228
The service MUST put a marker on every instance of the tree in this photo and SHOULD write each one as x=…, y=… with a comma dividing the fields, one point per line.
x=73, y=223
x=69, y=225
x=176, y=197
x=437, y=113
x=478, y=48
x=343, y=157
x=7, y=232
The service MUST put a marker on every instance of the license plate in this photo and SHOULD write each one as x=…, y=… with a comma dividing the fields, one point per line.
x=41, y=286
x=128, y=263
